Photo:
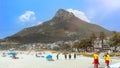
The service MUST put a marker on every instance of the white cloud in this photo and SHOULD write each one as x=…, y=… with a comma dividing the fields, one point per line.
x=39, y=23
x=81, y=15
x=27, y=16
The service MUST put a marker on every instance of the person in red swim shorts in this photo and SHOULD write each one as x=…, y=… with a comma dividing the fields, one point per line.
x=96, y=60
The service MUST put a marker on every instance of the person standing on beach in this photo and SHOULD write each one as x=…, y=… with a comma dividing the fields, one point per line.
x=3, y=55
x=69, y=56
x=58, y=56
x=37, y=55
x=107, y=59
x=65, y=56
x=96, y=60
x=74, y=56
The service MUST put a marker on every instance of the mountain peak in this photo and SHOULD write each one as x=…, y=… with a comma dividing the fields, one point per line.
x=63, y=26
x=63, y=13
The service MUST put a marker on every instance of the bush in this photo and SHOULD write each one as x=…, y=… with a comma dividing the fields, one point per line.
x=117, y=54
x=65, y=53
x=112, y=54
x=87, y=54
x=56, y=48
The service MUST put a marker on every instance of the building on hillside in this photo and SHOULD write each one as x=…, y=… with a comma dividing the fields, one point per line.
x=99, y=47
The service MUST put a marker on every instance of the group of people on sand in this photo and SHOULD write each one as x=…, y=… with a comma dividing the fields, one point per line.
x=67, y=56
x=106, y=58
x=13, y=56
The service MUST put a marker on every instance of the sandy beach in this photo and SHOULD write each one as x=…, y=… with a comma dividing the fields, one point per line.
x=31, y=61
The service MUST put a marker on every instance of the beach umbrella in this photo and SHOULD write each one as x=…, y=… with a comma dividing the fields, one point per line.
x=11, y=53
x=49, y=57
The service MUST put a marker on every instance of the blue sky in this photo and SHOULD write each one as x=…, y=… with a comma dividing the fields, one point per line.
x=18, y=14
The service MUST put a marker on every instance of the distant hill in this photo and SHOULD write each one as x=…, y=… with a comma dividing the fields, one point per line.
x=63, y=26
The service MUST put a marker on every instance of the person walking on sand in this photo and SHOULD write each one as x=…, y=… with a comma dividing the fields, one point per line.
x=96, y=60
x=65, y=55
x=107, y=59
x=58, y=56
x=69, y=56
x=74, y=56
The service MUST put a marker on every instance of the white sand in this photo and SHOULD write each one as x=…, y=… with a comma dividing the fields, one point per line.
x=30, y=61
